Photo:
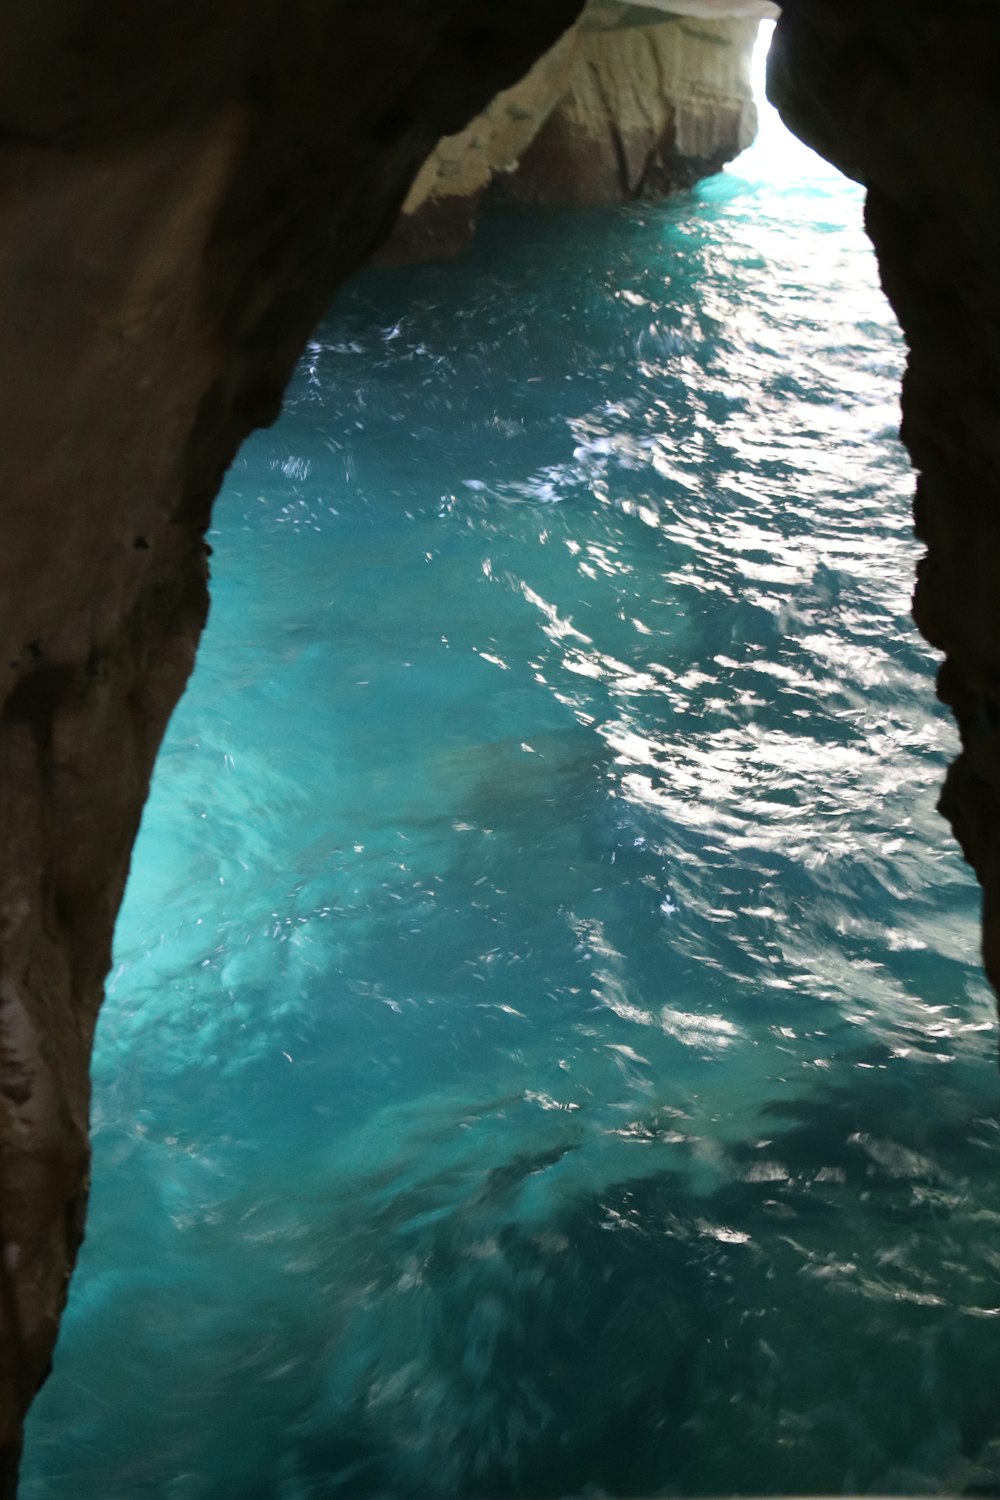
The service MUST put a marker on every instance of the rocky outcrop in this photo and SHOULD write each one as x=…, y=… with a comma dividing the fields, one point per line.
x=439, y=215
x=653, y=103
x=632, y=103
x=902, y=96
x=181, y=190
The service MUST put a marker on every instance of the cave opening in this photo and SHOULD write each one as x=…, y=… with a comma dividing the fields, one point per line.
x=543, y=942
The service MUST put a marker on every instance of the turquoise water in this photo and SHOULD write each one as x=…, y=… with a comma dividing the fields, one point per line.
x=546, y=1052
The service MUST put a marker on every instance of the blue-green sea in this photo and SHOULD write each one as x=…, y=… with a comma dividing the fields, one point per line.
x=546, y=1053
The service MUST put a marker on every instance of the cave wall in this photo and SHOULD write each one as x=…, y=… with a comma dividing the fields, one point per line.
x=182, y=188
x=902, y=95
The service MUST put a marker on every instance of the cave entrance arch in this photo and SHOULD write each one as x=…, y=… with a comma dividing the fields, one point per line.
x=101, y=639
x=366, y=859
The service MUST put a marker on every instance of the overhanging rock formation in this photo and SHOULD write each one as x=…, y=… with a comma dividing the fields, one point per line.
x=632, y=102
x=182, y=188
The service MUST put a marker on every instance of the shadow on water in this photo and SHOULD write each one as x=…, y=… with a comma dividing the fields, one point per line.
x=597, y=1351
x=822, y=1319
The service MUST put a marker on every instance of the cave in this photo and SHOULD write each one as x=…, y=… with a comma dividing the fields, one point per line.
x=183, y=196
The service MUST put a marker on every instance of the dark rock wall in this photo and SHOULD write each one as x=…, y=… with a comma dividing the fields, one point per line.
x=182, y=187
x=903, y=95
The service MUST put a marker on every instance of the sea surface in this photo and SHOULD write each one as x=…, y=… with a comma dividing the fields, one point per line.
x=546, y=1052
